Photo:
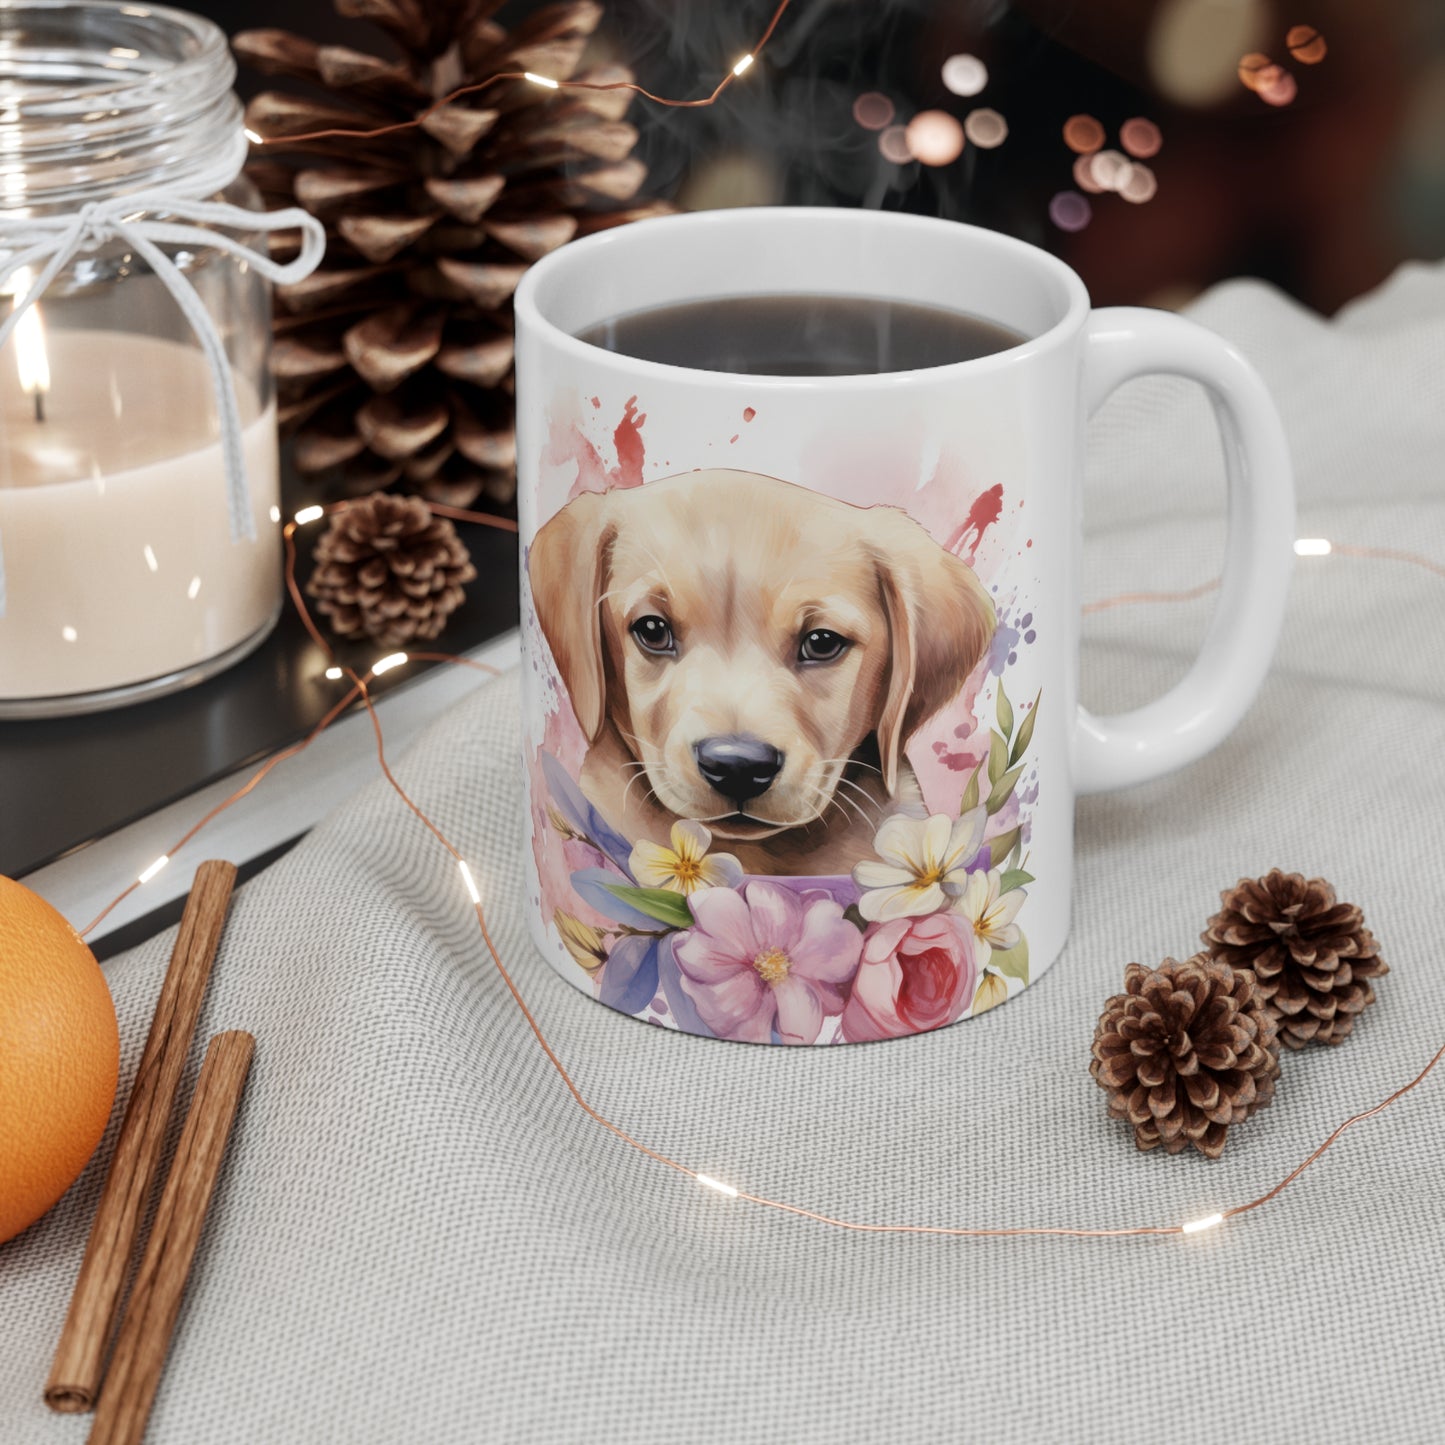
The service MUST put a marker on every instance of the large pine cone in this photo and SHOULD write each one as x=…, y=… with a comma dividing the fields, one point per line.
x=1313, y=956
x=1185, y=1051
x=394, y=359
x=388, y=570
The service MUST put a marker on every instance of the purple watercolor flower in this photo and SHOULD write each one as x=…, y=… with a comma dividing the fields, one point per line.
x=763, y=958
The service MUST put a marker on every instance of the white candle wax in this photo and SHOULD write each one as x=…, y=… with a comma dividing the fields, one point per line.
x=114, y=522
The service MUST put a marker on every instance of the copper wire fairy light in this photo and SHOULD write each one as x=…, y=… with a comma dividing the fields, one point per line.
x=547, y=82
x=360, y=690
x=1084, y=136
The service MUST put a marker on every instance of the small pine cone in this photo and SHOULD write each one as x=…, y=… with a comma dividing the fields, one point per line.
x=387, y=569
x=1185, y=1051
x=1313, y=957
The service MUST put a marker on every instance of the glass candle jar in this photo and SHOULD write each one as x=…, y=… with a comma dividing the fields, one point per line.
x=131, y=567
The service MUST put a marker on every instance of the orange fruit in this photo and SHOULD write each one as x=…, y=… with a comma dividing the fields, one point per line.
x=59, y=1056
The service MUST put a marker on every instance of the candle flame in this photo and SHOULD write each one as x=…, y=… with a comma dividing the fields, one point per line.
x=31, y=359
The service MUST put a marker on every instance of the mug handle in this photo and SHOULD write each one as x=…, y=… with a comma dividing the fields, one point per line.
x=1196, y=714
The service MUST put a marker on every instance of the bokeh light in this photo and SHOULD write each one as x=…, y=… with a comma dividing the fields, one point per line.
x=1306, y=44
x=1193, y=46
x=1251, y=67
x=872, y=110
x=1110, y=170
x=1070, y=211
x=985, y=128
x=1082, y=133
x=1140, y=137
x=965, y=74
x=893, y=142
x=1084, y=175
x=934, y=137
x=1140, y=184
x=1276, y=86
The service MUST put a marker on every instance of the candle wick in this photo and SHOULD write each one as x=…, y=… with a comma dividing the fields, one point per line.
x=39, y=404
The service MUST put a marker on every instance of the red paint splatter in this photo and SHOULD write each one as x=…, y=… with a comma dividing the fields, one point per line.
x=749, y=413
x=986, y=510
x=568, y=442
x=733, y=438
x=596, y=403
x=1029, y=543
x=630, y=450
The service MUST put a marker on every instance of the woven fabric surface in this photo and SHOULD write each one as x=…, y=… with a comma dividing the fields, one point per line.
x=418, y=1236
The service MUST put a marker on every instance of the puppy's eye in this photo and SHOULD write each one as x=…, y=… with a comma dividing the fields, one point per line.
x=654, y=635
x=820, y=645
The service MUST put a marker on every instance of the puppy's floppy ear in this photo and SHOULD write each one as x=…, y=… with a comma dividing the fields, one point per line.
x=567, y=567
x=940, y=623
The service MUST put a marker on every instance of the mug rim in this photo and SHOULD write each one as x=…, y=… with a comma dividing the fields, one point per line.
x=529, y=305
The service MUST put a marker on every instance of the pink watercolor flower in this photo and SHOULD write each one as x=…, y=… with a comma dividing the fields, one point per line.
x=916, y=974
x=766, y=957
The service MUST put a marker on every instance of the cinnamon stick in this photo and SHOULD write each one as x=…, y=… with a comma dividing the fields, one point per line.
x=155, y=1298
x=75, y=1372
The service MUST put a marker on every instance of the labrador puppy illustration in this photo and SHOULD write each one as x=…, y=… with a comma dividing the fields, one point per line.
x=747, y=653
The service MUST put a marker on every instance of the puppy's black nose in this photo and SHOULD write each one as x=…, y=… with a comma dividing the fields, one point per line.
x=738, y=766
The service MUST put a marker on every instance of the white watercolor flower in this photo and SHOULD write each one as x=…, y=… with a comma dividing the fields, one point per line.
x=686, y=866
x=921, y=865
x=990, y=912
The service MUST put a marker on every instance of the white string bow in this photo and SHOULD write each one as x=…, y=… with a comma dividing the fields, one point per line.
x=52, y=242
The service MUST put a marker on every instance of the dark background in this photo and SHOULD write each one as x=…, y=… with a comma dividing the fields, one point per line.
x=1323, y=196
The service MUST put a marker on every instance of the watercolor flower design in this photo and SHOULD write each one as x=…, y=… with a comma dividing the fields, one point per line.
x=991, y=911
x=764, y=959
x=916, y=974
x=922, y=934
x=922, y=864
x=686, y=866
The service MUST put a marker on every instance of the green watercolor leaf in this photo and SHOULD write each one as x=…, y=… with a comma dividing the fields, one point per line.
x=659, y=903
x=1002, y=790
x=997, y=757
x=1026, y=731
x=970, y=793
x=1000, y=847
x=1014, y=878
x=1005, y=712
x=1014, y=962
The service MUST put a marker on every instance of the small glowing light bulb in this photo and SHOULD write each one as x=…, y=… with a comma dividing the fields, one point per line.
x=710, y=1183
x=1196, y=1225
x=309, y=514
x=385, y=664
x=469, y=880
x=542, y=80
x=256, y=140
x=1313, y=547
x=742, y=64
x=154, y=868
x=332, y=674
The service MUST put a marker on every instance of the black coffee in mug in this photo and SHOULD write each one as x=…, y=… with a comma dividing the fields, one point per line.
x=801, y=335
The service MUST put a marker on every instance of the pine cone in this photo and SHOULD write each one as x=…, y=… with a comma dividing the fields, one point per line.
x=1185, y=1051
x=1312, y=956
x=388, y=570
x=394, y=360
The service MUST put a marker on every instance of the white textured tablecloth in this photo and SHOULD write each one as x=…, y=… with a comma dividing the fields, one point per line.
x=419, y=1238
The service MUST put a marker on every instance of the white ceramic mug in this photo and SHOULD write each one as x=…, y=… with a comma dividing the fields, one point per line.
x=740, y=831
